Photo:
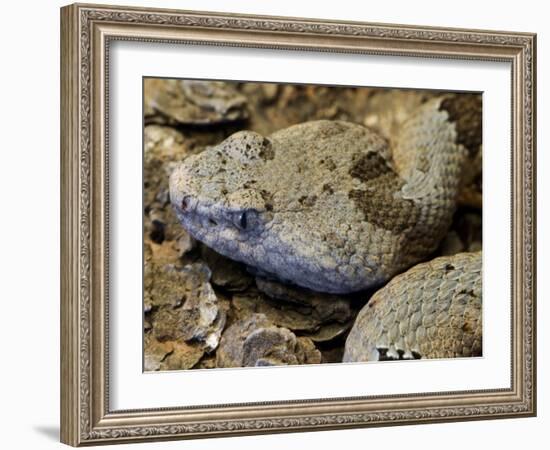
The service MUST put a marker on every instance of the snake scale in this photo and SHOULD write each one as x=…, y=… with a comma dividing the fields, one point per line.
x=431, y=311
x=332, y=206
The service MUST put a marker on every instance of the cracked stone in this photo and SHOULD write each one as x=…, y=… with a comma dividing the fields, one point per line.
x=186, y=306
x=325, y=307
x=195, y=102
x=255, y=341
x=226, y=273
x=317, y=320
x=154, y=353
x=182, y=356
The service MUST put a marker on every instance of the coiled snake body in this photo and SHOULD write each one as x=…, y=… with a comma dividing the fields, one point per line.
x=431, y=311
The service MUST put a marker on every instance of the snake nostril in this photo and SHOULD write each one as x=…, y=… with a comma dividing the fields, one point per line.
x=184, y=204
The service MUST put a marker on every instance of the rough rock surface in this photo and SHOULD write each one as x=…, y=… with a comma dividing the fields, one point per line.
x=255, y=341
x=285, y=205
x=320, y=306
x=251, y=303
x=183, y=355
x=163, y=143
x=170, y=355
x=196, y=102
x=163, y=147
x=156, y=353
x=318, y=322
x=184, y=306
x=431, y=311
x=226, y=273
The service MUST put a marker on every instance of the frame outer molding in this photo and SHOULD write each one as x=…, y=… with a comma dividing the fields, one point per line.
x=70, y=314
x=86, y=31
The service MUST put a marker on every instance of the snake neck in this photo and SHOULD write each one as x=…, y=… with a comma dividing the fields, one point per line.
x=433, y=145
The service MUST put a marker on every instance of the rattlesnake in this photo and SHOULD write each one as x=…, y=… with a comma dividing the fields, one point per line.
x=431, y=311
x=330, y=205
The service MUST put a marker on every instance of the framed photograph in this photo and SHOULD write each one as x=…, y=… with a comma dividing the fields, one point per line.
x=276, y=224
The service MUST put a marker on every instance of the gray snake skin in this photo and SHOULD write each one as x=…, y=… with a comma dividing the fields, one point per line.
x=431, y=311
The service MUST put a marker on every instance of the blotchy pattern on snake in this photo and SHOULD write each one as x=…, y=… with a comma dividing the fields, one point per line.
x=431, y=311
x=331, y=205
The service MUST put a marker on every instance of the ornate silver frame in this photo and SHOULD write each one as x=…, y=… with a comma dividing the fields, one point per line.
x=86, y=31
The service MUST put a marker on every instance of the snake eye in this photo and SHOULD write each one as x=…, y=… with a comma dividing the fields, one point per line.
x=243, y=221
x=246, y=220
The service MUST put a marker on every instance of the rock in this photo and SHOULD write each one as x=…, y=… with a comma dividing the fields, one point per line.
x=150, y=114
x=161, y=224
x=186, y=305
x=316, y=323
x=154, y=353
x=162, y=147
x=284, y=315
x=324, y=307
x=329, y=331
x=163, y=143
x=195, y=102
x=308, y=353
x=260, y=93
x=270, y=346
x=163, y=285
x=270, y=91
x=184, y=243
x=255, y=341
x=226, y=273
x=183, y=356
x=171, y=252
x=170, y=355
